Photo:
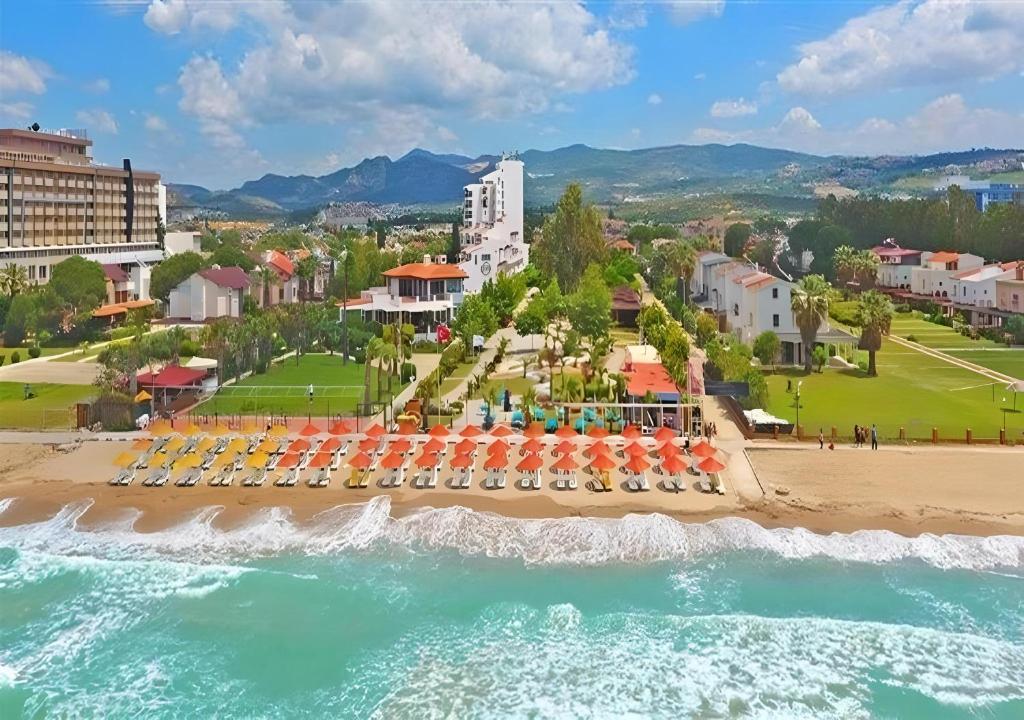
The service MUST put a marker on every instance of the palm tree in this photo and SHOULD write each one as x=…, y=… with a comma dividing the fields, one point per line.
x=683, y=261
x=620, y=385
x=809, y=303
x=13, y=279
x=265, y=276
x=528, y=400
x=373, y=348
x=844, y=261
x=305, y=269
x=865, y=269
x=573, y=390
x=387, y=358
x=874, y=316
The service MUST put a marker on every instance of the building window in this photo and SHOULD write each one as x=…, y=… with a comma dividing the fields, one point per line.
x=775, y=320
x=31, y=272
x=775, y=293
x=42, y=272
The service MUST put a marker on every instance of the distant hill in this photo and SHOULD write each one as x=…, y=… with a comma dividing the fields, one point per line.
x=421, y=177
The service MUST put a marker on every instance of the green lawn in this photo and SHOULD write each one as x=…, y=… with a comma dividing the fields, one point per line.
x=50, y=408
x=283, y=389
x=515, y=385
x=981, y=351
x=461, y=372
x=912, y=390
x=23, y=352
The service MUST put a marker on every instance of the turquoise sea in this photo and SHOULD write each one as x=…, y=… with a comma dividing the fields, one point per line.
x=456, y=614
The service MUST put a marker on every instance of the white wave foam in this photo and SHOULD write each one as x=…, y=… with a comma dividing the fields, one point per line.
x=8, y=676
x=579, y=541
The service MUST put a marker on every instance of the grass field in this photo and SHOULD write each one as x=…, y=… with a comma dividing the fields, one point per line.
x=460, y=373
x=981, y=352
x=912, y=390
x=23, y=352
x=284, y=388
x=50, y=408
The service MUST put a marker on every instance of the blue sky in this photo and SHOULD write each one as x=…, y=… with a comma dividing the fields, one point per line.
x=218, y=91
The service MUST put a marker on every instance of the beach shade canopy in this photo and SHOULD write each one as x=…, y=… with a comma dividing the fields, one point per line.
x=501, y=431
x=278, y=430
x=400, y=446
x=433, y=445
x=465, y=446
x=205, y=444
x=498, y=446
x=636, y=465
x=219, y=429
x=564, y=431
x=249, y=427
x=298, y=445
x=631, y=432
x=360, y=461
x=533, y=445
x=375, y=431
x=668, y=450
x=470, y=431
x=125, y=459
x=310, y=430
x=711, y=465
x=664, y=434
x=237, y=445
x=160, y=427
x=191, y=460
x=257, y=460
x=597, y=448
x=427, y=460
x=530, y=463
x=367, y=444
x=438, y=431
x=565, y=447
x=174, y=444
x=341, y=427
x=565, y=464
x=159, y=459
x=673, y=464
x=635, y=449
x=289, y=460
x=392, y=461
x=602, y=462
x=534, y=430
x=142, y=444
x=597, y=432
x=330, y=445
x=267, y=446
x=320, y=460
x=461, y=461
x=497, y=461
x=702, y=449
x=225, y=459
x=143, y=396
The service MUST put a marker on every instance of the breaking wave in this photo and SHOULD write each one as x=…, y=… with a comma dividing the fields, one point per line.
x=370, y=526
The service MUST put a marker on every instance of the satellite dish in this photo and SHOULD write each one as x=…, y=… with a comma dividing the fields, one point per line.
x=34, y=127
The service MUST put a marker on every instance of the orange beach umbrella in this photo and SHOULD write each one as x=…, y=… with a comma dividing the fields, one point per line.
x=534, y=430
x=702, y=449
x=664, y=434
x=433, y=446
x=636, y=465
x=400, y=446
x=461, y=461
x=498, y=446
x=341, y=427
x=565, y=431
x=597, y=448
x=310, y=430
x=533, y=445
x=330, y=445
x=320, y=460
x=438, y=431
x=673, y=464
x=392, y=461
x=298, y=445
x=565, y=464
x=497, y=461
x=367, y=444
x=668, y=450
x=635, y=449
x=602, y=462
x=565, y=447
x=631, y=432
x=360, y=461
x=500, y=431
x=530, y=463
x=470, y=431
x=465, y=446
x=289, y=460
x=427, y=460
x=597, y=432
x=375, y=431
x=711, y=465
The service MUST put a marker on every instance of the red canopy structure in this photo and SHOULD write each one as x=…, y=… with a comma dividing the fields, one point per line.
x=289, y=460
x=673, y=464
x=668, y=450
x=342, y=427
x=438, y=431
x=433, y=446
x=464, y=447
x=631, y=432
x=500, y=431
x=497, y=461
x=565, y=464
x=602, y=462
x=635, y=449
x=533, y=445
x=564, y=431
x=711, y=465
x=702, y=449
x=320, y=460
x=172, y=376
x=330, y=445
x=360, y=461
x=310, y=430
x=597, y=432
x=367, y=444
x=461, y=461
x=534, y=430
x=375, y=431
x=636, y=465
x=565, y=447
x=664, y=434
x=597, y=448
x=427, y=460
x=400, y=446
x=470, y=431
x=530, y=463
x=498, y=447
x=298, y=445
x=392, y=461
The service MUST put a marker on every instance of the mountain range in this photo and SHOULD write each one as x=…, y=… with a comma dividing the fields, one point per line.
x=423, y=178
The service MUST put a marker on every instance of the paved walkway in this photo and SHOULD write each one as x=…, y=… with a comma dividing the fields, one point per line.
x=42, y=371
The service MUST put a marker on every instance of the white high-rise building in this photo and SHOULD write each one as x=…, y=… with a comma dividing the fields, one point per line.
x=492, y=225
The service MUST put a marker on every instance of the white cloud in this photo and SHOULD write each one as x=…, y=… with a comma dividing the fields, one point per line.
x=207, y=95
x=155, y=123
x=21, y=74
x=700, y=76
x=98, y=120
x=914, y=42
x=99, y=86
x=170, y=17
x=19, y=110
x=446, y=135
x=167, y=16
x=733, y=108
x=654, y=99
x=683, y=12
x=947, y=123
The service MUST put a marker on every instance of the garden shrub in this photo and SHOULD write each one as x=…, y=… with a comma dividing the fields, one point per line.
x=15, y=357
x=34, y=352
x=911, y=338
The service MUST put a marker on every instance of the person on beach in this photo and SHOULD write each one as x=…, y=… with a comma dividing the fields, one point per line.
x=874, y=436
x=821, y=438
x=856, y=435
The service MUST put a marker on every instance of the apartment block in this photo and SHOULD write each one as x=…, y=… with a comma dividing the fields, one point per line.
x=492, y=227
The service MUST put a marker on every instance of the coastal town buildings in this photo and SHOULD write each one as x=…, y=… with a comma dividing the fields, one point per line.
x=934, y=276
x=492, y=225
x=212, y=293
x=55, y=202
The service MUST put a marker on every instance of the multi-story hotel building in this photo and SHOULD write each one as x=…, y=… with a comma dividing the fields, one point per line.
x=492, y=225
x=56, y=202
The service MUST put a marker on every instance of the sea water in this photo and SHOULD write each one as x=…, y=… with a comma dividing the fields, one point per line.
x=451, y=613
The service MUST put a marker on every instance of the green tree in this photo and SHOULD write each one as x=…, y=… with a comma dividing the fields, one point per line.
x=757, y=394
x=455, y=243
x=766, y=347
x=589, y=309
x=503, y=295
x=230, y=255
x=809, y=303
x=173, y=271
x=707, y=328
x=820, y=357
x=475, y=317
x=79, y=284
x=736, y=237
x=571, y=240
x=13, y=280
x=533, y=319
x=1014, y=326
x=874, y=317
x=21, y=319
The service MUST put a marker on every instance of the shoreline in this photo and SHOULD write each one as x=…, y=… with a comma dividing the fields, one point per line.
x=905, y=491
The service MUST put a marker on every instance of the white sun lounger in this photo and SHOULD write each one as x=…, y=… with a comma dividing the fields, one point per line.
x=121, y=477
x=289, y=478
x=633, y=484
x=152, y=478
x=703, y=483
x=320, y=479
x=501, y=480
x=336, y=460
x=163, y=477
x=432, y=480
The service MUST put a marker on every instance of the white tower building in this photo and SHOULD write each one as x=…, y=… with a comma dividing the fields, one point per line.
x=492, y=225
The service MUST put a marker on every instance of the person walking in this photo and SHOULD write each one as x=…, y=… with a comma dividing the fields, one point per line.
x=856, y=435
x=821, y=438
x=874, y=436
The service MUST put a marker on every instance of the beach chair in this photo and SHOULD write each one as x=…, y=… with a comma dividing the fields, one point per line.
x=208, y=459
x=633, y=484
x=561, y=483
x=703, y=484
x=228, y=476
x=120, y=477
x=432, y=480
x=644, y=486
x=320, y=479
x=572, y=483
x=719, y=485
x=415, y=481
x=335, y=460
x=163, y=477
x=183, y=480
x=364, y=480
x=221, y=446
x=525, y=483
x=291, y=477
x=259, y=477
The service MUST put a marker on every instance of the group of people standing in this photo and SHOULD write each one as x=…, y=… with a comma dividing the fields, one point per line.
x=861, y=434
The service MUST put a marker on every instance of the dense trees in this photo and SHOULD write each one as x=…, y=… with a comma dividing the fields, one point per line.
x=475, y=317
x=503, y=294
x=641, y=235
x=766, y=347
x=572, y=239
x=589, y=309
x=736, y=237
x=852, y=266
x=79, y=284
x=171, y=272
x=231, y=255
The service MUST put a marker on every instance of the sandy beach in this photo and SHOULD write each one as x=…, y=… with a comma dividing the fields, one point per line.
x=905, y=490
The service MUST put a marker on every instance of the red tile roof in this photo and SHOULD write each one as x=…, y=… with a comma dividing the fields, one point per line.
x=120, y=308
x=427, y=271
x=227, y=277
x=172, y=376
x=625, y=298
x=944, y=257
x=625, y=245
x=114, y=273
x=280, y=262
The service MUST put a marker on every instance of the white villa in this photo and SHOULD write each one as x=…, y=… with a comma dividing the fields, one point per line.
x=492, y=226
x=212, y=293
